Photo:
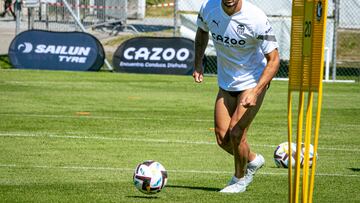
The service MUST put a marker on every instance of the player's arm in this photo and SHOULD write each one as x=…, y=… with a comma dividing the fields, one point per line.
x=272, y=67
x=273, y=62
x=269, y=46
x=201, y=41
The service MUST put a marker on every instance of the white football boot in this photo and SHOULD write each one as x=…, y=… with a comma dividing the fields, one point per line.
x=237, y=187
x=252, y=168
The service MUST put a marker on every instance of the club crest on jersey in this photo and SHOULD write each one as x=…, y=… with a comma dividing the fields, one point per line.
x=240, y=29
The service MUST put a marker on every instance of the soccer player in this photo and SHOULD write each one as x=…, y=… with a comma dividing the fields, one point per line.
x=247, y=60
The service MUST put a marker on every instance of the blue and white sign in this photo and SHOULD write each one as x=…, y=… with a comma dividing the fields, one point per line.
x=161, y=55
x=76, y=51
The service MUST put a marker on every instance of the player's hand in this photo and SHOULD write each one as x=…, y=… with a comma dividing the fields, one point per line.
x=198, y=76
x=248, y=99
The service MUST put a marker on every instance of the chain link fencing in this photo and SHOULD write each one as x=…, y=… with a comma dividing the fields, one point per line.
x=348, y=43
x=178, y=18
x=110, y=17
x=59, y=15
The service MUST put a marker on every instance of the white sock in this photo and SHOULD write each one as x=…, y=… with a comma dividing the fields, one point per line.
x=235, y=179
x=254, y=162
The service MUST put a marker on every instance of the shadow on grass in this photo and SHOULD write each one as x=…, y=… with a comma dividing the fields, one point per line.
x=355, y=169
x=142, y=197
x=4, y=61
x=194, y=188
x=4, y=58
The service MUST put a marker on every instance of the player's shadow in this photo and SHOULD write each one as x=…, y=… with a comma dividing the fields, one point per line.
x=194, y=188
x=355, y=169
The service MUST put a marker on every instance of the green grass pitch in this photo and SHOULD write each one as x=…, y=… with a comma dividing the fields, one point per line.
x=77, y=137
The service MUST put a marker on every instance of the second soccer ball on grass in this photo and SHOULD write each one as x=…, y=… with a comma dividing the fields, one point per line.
x=282, y=155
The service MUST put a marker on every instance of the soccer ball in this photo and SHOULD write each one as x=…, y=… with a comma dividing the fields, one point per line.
x=150, y=177
x=281, y=155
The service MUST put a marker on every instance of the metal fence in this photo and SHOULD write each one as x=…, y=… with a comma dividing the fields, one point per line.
x=348, y=43
x=56, y=15
x=106, y=16
x=178, y=18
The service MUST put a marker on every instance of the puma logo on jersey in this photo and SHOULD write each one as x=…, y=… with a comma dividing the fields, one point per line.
x=200, y=17
x=216, y=23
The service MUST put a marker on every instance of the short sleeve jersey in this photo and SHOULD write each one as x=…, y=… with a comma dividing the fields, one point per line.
x=240, y=40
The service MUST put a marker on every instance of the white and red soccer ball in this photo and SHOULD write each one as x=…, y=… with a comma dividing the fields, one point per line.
x=150, y=177
x=282, y=155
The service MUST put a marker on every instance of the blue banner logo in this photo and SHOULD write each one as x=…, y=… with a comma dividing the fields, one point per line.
x=75, y=51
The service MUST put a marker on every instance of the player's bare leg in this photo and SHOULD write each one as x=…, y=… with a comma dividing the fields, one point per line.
x=235, y=137
x=239, y=124
x=225, y=107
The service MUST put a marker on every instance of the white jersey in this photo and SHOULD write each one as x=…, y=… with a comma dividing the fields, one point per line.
x=240, y=40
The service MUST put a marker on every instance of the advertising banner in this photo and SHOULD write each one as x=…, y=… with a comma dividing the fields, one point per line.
x=31, y=3
x=75, y=51
x=155, y=55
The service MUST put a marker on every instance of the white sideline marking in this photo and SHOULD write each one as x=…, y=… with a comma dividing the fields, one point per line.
x=173, y=171
x=107, y=117
x=108, y=138
x=149, y=140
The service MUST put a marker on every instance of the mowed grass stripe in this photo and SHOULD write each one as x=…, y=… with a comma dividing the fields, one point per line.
x=86, y=168
x=132, y=139
x=89, y=116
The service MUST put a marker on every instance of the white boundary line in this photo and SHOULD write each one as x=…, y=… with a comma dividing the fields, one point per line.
x=106, y=117
x=147, y=140
x=87, y=168
x=108, y=138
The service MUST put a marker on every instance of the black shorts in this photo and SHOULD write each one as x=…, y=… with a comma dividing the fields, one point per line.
x=236, y=93
x=232, y=93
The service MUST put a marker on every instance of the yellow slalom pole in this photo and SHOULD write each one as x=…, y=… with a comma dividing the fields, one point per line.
x=298, y=147
x=305, y=75
x=290, y=182
x=322, y=25
x=316, y=137
x=307, y=141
